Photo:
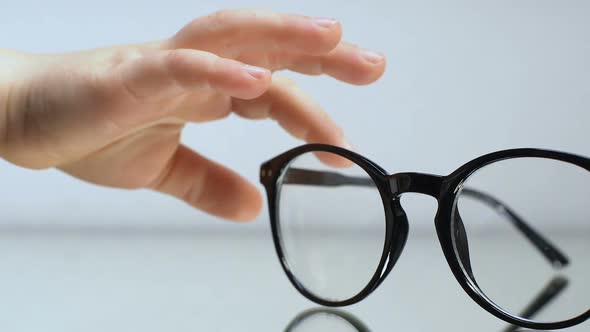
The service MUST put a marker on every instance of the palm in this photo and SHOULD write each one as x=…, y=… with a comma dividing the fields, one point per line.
x=140, y=158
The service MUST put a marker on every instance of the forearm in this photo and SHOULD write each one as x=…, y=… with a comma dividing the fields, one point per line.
x=13, y=71
x=16, y=69
x=12, y=66
x=10, y=61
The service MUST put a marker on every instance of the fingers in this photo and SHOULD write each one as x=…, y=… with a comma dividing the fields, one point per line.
x=209, y=186
x=163, y=75
x=232, y=32
x=298, y=114
x=348, y=63
x=281, y=41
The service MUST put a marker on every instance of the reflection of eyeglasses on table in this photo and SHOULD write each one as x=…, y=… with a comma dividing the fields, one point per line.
x=343, y=317
x=319, y=194
x=315, y=320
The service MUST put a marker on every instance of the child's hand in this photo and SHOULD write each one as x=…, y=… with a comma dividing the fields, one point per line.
x=114, y=116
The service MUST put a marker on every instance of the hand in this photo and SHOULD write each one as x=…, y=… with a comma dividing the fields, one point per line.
x=114, y=116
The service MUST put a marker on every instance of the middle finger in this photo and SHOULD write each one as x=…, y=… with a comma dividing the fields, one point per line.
x=347, y=62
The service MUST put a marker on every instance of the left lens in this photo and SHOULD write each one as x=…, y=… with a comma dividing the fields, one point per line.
x=521, y=230
x=331, y=225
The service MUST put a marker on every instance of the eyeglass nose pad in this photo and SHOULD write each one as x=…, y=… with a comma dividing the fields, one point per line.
x=400, y=235
x=462, y=245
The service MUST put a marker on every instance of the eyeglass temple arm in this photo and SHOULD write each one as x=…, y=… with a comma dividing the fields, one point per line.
x=545, y=296
x=327, y=178
x=549, y=250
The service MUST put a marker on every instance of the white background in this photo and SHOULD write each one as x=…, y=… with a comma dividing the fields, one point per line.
x=464, y=78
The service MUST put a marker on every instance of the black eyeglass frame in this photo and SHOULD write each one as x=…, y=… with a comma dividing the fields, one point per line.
x=390, y=187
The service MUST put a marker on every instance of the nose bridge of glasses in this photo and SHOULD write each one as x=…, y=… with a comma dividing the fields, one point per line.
x=400, y=236
x=422, y=183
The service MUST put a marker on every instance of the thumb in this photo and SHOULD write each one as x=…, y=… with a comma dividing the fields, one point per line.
x=209, y=186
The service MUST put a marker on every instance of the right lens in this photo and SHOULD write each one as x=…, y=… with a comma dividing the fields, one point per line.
x=331, y=225
x=521, y=228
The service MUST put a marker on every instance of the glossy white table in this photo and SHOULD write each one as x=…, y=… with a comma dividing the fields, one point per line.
x=190, y=280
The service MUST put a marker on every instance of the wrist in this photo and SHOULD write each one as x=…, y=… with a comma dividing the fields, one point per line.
x=12, y=72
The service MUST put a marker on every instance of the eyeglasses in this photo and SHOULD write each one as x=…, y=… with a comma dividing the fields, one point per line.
x=514, y=227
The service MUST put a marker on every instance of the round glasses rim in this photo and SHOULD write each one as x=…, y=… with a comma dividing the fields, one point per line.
x=374, y=280
x=473, y=289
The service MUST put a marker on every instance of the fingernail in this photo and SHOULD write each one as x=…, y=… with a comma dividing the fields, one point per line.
x=255, y=72
x=373, y=57
x=325, y=22
x=346, y=144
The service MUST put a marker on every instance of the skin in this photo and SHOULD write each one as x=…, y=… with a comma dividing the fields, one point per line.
x=114, y=116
